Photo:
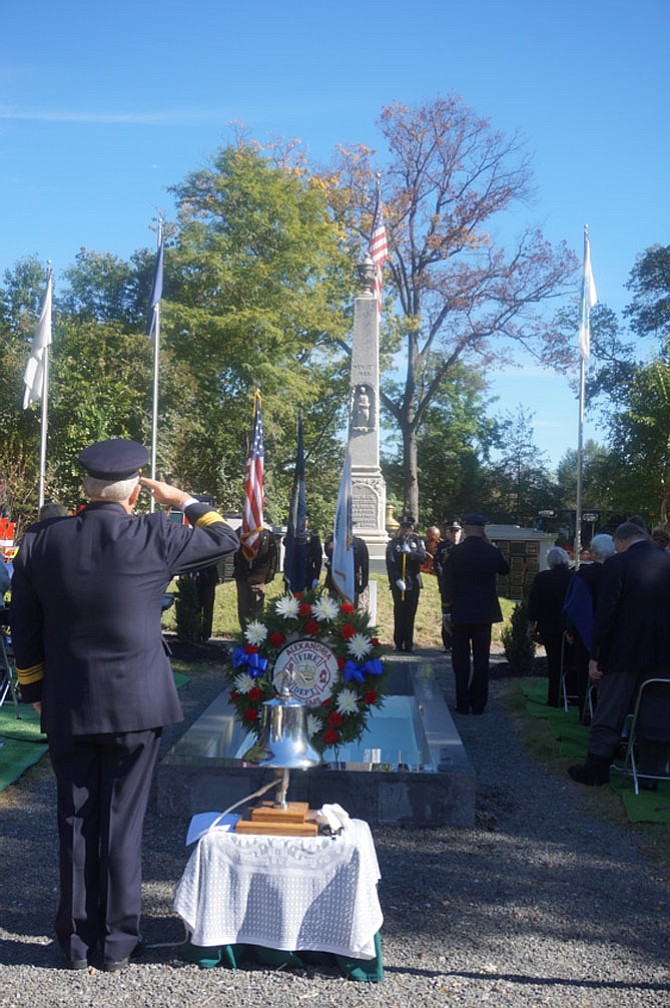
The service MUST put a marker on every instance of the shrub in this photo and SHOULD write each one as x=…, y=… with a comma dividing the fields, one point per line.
x=187, y=611
x=519, y=650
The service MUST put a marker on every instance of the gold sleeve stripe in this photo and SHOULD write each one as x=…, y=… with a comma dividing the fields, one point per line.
x=31, y=675
x=211, y=518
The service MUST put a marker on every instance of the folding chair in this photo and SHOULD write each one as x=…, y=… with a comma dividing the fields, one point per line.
x=563, y=689
x=650, y=720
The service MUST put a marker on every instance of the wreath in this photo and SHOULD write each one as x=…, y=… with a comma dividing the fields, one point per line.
x=316, y=617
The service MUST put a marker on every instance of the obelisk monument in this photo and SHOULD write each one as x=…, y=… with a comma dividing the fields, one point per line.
x=367, y=483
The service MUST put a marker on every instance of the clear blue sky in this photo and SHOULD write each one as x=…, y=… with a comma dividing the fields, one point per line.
x=104, y=106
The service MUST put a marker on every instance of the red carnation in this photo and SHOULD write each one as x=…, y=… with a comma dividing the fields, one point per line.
x=370, y=697
x=251, y=714
x=330, y=736
x=327, y=702
x=276, y=638
x=233, y=695
x=334, y=719
x=374, y=641
x=305, y=609
x=347, y=607
x=341, y=662
x=348, y=631
x=250, y=649
x=312, y=627
x=298, y=594
x=255, y=693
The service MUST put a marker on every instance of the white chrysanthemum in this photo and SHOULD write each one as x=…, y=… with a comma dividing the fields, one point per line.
x=243, y=682
x=256, y=632
x=313, y=725
x=325, y=609
x=287, y=607
x=358, y=646
x=347, y=702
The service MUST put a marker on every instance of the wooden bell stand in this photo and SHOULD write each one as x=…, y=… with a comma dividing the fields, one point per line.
x=280, y=818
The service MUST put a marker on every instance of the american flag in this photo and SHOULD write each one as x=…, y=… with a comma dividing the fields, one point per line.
x=254, y=499
x=378, y=249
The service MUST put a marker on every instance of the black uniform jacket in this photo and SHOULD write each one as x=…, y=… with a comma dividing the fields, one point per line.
x=410, y=570
x=631, y=631
x=470, y=581
x=86, y=614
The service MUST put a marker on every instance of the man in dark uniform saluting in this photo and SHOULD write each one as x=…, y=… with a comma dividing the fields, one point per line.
x=85, y=616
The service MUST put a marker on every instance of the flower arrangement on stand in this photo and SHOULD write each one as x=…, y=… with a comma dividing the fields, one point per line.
x=339, y=710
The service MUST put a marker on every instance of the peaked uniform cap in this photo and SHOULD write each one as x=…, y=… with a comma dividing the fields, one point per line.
x=407, y=519
x=475, y=519
x=115, y=459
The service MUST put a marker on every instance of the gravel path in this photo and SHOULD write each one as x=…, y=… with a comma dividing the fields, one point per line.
x=540, y=904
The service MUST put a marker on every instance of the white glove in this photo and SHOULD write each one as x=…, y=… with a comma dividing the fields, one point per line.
x=405, y=548
x=333, y=816
x=400, y=584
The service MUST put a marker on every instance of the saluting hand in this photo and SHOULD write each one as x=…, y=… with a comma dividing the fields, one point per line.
x=163, y=493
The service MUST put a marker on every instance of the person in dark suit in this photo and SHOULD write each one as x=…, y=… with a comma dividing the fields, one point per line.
x=630, y=642
x=85, y=614
x=471, y=607
x=252, y=575
x=404, y=555
x=545, y=614
x=443, y=548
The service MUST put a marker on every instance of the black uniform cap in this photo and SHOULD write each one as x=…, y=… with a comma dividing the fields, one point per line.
x=475, y=519
x=455, y=525
x=407, y=519
x=114, y=460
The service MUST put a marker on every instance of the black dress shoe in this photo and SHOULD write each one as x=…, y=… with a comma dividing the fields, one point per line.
x=117, y=965
x=114, y=965
x=595, y=772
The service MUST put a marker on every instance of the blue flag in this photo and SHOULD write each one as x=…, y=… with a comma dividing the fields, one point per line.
x=295, y=544
x=342, y=564
x=156, y=290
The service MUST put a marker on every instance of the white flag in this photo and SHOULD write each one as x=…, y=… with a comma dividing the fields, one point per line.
x=342, y=563
x=588, y=300
x=33, y=379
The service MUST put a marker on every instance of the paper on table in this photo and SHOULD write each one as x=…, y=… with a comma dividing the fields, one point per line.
x=201, y=822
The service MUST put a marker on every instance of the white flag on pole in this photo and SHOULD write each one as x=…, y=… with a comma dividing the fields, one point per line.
x=342, y=563
x=588, y=300
x=33, y=378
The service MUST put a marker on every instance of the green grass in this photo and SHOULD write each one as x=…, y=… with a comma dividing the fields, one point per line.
x=427, y=632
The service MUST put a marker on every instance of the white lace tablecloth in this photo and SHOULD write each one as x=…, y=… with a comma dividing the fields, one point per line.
x=292, y=893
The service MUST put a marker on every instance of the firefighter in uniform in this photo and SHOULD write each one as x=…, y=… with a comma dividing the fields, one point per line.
x=87, y=595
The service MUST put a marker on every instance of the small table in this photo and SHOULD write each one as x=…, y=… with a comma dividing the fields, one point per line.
x=280, y=892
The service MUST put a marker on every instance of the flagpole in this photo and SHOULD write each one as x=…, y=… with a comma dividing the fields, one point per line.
x=580, y=441
x=154, y=413
x=588, y=299
x=44, y=413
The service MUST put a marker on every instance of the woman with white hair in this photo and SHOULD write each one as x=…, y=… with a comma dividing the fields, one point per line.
x=545, y=614
x=580, y=605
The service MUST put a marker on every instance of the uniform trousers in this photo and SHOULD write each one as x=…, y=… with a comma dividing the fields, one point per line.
x=472, y=680
x=103, y=784
x=404, y=612
x=250, y=599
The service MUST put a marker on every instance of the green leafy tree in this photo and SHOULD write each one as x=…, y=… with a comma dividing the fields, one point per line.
x=453, y=294
x=520, y=484
x=597, y=490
